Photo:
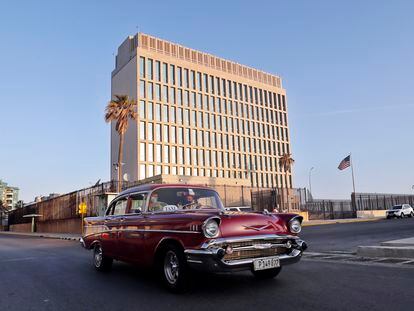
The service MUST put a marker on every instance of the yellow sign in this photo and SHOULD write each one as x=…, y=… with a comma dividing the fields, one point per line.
x=82, y=208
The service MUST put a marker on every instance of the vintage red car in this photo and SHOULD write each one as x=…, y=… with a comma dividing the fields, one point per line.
x=177, y=228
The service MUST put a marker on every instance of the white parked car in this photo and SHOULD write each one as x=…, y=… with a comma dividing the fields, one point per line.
x=401, y=210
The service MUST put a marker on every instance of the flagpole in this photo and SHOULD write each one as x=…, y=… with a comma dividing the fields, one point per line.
x=352, y=170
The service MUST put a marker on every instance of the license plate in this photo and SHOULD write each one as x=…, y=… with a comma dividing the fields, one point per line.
x=266, y=263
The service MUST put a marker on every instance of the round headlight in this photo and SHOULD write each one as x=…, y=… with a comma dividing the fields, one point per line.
x=211, y=228
x=295, y=226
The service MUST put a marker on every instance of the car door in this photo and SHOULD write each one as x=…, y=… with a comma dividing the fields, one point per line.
x=131, y=233
x=109, y=238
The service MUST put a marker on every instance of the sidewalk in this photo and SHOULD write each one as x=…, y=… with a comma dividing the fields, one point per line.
x=62, y=236
x=403, y=248
x=338, y=221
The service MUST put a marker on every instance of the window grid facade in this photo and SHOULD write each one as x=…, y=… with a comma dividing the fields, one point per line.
x=214, y=126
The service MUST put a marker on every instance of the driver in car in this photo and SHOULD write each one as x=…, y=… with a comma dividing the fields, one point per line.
x=188, y=201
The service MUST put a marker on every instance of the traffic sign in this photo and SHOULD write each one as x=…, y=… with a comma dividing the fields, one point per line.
x=82, y=208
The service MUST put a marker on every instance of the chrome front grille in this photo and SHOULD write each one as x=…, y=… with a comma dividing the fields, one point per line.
x=256, y=249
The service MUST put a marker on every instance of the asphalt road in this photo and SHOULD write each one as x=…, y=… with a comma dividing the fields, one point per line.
x=48, y=274
x=347, y=237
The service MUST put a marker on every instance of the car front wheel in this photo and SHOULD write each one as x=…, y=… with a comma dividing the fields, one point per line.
x=173, y=269
x=100, y=261
x=267, y=274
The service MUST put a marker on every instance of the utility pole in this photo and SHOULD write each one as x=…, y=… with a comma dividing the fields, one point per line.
x=310, y=182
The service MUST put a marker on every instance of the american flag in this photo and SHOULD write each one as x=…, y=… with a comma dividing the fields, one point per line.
x=345, y=163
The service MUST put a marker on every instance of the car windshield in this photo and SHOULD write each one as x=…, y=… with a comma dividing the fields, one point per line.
x=173, y=199
x=397, y=207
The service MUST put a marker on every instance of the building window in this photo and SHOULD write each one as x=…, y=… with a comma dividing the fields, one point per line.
x=199, y=82
x=142, y=67
x=142, y=109
x=165, y=93
x=165, y=113
x=150, y=111
x=179, y=97
x=172, y=95
x=158, y=112
x=173, y=135
x=150, y=170
x=174, y=155
x=142, y=171
x=157, y=71
x=172, y=114
x=150, y=152
x=158, y=154
x=179, y=75
x=166, y=154
x=158, y=132
x=157, y=92
x=150, y=131
x=172, y=74
x=142, y=152
x=150, y=91
x=185, y=78
x=142, y=130
x=149, y=69
x=142, y=89
x=165, y=132
x=180, y=155
x=164, y=72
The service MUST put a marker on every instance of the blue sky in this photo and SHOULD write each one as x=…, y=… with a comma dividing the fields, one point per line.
x=347, y=67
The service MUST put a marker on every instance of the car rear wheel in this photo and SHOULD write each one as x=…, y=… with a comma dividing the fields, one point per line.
x=100, y=261
x=267, y=274
x=173, y=269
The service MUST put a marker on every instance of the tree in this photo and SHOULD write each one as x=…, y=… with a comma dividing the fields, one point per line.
x=285, y=163
x=3, y=211
x=120, y=110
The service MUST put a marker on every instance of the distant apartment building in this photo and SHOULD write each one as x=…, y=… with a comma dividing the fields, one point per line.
x=8, y=195
x=199, y=115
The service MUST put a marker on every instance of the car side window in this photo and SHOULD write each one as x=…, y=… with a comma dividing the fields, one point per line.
x=118, y=207
x=137, y=203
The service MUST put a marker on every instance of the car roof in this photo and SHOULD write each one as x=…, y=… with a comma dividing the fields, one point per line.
x=150, y=187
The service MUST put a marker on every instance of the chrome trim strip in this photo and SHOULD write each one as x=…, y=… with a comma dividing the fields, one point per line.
x=247, y=239
x=143, y=230
x=295, y=253
x=261, y=246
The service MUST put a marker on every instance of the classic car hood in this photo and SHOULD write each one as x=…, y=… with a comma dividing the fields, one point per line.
x=241, y=224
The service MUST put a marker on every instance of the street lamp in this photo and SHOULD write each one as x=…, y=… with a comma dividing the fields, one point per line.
x=310, y=182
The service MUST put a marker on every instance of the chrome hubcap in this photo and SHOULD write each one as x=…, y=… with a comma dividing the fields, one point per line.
x=98, y=256
x=171, y=267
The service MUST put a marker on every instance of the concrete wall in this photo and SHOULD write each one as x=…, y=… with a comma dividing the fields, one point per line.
x=21, y=228
x=371, y=214
x=60, y=226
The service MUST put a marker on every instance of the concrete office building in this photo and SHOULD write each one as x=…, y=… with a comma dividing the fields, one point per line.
x=199, y=115
x=8, y=195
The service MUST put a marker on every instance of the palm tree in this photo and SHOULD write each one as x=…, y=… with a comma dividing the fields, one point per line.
x=121, y=109
x=286, y=162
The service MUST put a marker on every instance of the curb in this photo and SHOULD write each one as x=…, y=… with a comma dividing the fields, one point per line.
x=339, y=221
x=41, y=236
x=406, y=252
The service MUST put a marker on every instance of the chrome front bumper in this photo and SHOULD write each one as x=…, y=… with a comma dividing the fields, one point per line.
x=210, y=258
